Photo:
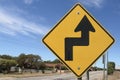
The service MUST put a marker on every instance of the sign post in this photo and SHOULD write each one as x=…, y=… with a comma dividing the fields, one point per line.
x=104, y=62
x=107, y=68
x=88, y=75
x=78, y=40
x=80, y=78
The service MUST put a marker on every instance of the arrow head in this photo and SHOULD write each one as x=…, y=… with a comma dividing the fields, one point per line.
x=84, y=25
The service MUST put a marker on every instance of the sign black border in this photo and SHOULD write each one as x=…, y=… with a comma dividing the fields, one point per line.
x=78, y=4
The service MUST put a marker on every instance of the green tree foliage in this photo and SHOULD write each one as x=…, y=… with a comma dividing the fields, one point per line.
x=21, y=59
x=56, y=61
x=111, y=67
x=48, y=61
x=64, y=68
x=29, y=61
x=42, y=66
x=32, y=61
x=6, y=64
x=6, y=57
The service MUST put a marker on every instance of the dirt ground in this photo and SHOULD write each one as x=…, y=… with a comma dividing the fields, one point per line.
x=114, y=76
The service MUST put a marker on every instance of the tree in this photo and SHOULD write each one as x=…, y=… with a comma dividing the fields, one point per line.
x=21, y=59
x=29, y=61
x=42, y=66
x=32, y=60
x=5, y=65
x=56, y=61
x=6, y=57
x=111, y=67
x=48, y=61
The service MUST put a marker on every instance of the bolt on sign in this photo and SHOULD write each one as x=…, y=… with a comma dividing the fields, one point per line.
x=78, y=40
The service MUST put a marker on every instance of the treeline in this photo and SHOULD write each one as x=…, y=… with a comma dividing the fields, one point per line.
x=29, y=61
x=32, y=61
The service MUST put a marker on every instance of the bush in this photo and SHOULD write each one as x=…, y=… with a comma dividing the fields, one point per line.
x=0, y=69
x=42, y=66
x=5, y=65
x=111, y=67
x=64, y=68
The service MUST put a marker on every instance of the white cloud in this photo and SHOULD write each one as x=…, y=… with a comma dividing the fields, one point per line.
x=95, y=3
x=28, y=1
x=15, y=25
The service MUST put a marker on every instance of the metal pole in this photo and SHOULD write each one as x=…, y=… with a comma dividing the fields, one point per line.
x=107, y=68
x=60, y=67
x=88, y=75
x=80, y=78
x=104, y=67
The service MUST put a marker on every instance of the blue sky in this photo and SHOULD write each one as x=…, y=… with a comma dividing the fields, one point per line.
x=23, y=24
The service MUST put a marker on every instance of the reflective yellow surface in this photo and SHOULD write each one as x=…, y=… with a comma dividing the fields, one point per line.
x=83, y=56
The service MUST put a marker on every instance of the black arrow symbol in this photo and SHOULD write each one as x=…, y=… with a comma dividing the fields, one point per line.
x=84, y=26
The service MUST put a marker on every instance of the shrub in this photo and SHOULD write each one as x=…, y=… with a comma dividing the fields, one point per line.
x=5, y=65
x=111, y=67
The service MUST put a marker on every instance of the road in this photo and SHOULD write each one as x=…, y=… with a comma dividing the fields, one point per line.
x=97, y=75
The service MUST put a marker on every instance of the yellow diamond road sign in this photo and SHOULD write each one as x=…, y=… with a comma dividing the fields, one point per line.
x=78, y=40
